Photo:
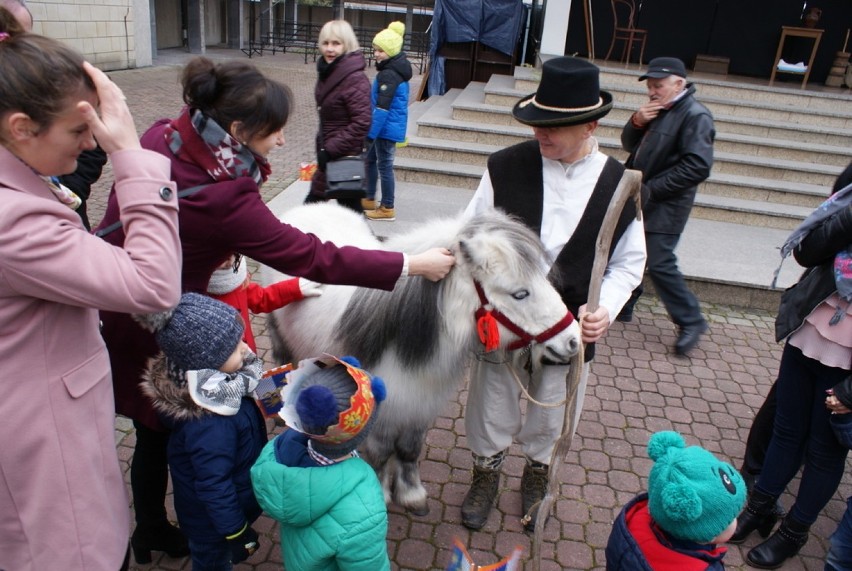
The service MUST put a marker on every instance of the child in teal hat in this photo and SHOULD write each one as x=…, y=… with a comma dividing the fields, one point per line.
x=691, y=506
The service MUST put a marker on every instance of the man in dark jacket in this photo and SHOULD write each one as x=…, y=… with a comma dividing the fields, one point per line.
x=670, y=139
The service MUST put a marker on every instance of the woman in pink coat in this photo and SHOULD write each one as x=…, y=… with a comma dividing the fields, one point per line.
x=63, y=503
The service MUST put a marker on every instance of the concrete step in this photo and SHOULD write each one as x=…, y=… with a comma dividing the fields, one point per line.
x=723, y=262
x=832, y=112
x=795, y=142
x=734, y=154
x=719, y=207
x=791, y=99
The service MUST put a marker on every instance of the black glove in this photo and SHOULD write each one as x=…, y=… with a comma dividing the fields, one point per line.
x=322, y=159
x=243, y=544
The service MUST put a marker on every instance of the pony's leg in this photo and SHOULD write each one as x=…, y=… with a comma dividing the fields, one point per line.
x=377, y=451
x=408, y=489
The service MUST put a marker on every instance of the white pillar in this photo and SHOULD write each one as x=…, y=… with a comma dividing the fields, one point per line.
x=555, y=29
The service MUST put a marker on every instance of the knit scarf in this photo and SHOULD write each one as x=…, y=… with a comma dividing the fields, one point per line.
x=220, y=392
x=836, y=203
x=198, y=139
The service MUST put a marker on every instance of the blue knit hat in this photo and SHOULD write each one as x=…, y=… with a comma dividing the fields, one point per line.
x=199, y=333
x=692, y=495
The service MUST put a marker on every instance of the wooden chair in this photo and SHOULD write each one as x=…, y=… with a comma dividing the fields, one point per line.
x=624, y=30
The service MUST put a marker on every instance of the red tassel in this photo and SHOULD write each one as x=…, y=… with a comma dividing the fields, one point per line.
x=489, y=334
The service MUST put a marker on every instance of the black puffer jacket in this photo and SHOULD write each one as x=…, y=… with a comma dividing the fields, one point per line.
x=675, y=154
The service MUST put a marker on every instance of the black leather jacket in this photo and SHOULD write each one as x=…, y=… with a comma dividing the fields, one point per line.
x=816, y=253
x=675, y=154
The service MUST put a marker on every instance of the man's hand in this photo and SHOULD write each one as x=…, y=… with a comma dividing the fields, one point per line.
x=647, y=113
x=593, y=325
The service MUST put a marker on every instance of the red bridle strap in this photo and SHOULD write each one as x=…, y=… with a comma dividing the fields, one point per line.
x=489, y=335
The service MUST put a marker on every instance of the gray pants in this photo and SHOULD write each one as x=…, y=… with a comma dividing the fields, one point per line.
x=493, y=417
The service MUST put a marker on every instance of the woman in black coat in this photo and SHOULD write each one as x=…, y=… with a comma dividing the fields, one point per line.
x=816, y=319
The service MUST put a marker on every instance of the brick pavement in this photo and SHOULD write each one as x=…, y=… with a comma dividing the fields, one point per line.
x=637, y=386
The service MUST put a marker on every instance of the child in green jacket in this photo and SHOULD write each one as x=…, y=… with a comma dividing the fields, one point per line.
x=310, y=478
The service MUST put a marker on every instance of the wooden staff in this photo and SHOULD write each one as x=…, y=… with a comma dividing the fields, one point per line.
x=629, y=186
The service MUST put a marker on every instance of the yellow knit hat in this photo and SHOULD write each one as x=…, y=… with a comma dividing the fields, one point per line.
x=390, y=40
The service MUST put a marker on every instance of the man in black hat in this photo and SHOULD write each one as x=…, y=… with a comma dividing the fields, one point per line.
x=670, y=139
x=560, y=185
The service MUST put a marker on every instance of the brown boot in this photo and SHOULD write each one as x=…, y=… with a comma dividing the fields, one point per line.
x=480, y=497
x=533, y=489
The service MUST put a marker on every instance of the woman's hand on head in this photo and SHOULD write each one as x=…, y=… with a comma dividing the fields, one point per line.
x=433, y=264
x=113, y=128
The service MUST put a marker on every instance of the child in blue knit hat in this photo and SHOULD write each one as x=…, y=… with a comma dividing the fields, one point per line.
x=691, y=506
x=201, y=385
x=311, y=480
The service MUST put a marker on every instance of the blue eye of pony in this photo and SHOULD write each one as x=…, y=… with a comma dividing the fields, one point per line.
x=521, y=294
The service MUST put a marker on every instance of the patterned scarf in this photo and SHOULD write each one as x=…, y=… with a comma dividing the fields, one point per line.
x=64, y=194
x=198, y=139
x=221, y=392
x=836, y=203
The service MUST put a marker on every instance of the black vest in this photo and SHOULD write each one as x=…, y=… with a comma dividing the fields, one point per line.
x=516, y=175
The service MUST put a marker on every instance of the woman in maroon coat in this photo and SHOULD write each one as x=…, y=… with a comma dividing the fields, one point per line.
x=233, y=119
x=342, y=94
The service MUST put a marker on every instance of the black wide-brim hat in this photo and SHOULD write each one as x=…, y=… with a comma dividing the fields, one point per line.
x=569, y=94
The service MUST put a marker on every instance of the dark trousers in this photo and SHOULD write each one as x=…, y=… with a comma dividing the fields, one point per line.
x=802, y=430
x=681, y=303
x=759, y=436
x=149, y=477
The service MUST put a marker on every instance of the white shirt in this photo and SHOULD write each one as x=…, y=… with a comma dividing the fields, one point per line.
x=567, y=189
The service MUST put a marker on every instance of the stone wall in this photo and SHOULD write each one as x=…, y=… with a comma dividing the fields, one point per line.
x=112, y=34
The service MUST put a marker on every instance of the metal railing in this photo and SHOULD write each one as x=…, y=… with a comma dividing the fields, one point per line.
x=301, y=38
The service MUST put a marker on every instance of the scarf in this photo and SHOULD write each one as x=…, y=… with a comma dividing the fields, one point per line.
x=196, y=138
x=325, y=68
x=220, y=392
x=836, y=203
x=64, y=194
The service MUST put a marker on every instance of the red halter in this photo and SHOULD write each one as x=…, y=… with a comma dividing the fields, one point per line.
x=489, y=334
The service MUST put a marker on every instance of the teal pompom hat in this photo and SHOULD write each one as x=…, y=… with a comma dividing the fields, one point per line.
x=692, y=494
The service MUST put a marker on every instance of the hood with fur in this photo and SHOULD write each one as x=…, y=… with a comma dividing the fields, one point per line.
x=169, y=399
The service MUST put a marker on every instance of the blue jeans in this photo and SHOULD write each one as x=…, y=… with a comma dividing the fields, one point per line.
x=839, y=557
x=210, y=555
x=380, y=160
x=803, y=431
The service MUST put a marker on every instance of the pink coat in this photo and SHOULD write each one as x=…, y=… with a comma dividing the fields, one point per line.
x=63, y=502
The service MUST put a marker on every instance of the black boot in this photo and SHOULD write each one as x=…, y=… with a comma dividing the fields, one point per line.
x=165, y=537
x=533, y=489
x=480, y=497
x=784, y=543
x=759, y=514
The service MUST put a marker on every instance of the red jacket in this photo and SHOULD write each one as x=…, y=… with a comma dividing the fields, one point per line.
x=258, y=299
x=223, y=218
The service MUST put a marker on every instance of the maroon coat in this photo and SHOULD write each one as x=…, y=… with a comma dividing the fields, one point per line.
x=223, y=218
x=343, y=101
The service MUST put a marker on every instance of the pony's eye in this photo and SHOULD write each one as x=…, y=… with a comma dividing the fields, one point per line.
x=521, y=294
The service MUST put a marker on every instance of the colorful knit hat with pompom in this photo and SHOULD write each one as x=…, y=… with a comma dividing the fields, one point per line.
x=334, y=401
x=692, y=495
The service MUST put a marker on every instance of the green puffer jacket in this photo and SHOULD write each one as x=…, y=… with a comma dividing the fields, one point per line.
x=333, y=518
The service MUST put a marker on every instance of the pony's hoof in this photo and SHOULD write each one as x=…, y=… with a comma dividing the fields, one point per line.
x=419, y=511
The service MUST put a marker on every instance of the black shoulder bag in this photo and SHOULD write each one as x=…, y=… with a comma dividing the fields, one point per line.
x=346, y=177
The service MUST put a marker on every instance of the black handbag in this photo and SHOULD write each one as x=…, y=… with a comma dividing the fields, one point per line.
x=346, y=177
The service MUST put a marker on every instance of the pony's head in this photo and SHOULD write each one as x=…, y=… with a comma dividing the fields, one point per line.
x=519, y=306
